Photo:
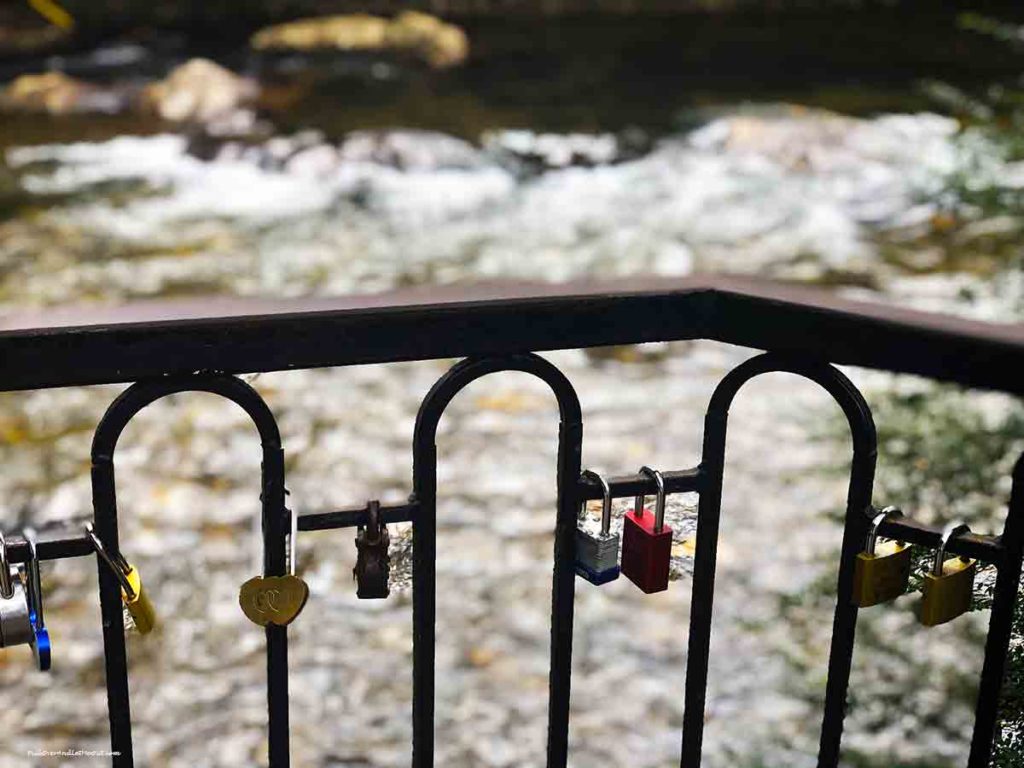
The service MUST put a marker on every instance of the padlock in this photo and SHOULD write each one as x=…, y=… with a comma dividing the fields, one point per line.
x=277, y=600
x=949, y=588
x=647, y=541
x=597, y=555
x=133, y=593
x=15, y=613
x=41, y=635
x=882, y=571
x=373, y=563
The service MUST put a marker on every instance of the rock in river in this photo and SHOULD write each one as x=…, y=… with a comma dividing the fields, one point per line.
x=199, y=91
x=58, y=94
x=411, y=33
x=440, y=45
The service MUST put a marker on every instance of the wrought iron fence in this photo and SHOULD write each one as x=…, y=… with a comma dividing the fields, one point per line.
x=499, y=328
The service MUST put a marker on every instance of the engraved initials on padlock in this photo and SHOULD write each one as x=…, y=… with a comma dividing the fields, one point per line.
x=949, y=588
x=597, y=555
x=647, y=541
x=882, y=571
x=373, y=563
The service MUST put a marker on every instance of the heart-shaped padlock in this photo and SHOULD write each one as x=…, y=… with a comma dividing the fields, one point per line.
x=275, y=599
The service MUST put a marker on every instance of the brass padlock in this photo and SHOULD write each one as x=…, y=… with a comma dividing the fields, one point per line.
x=882, y=571
x=949, y=588
x=133, y=593
x=277, y=600
x=137, y=601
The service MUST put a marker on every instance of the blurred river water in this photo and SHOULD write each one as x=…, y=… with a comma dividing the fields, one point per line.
x=903, y=200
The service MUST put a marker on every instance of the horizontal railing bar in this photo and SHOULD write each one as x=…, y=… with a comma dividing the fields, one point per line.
x=349, y=518
x=989, y=549
x=986, y=548
x=49, y=549
x=73, y=347
x=629, y=486
x=81, y=546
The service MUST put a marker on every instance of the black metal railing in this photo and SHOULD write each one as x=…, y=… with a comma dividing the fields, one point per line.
x=498, y=328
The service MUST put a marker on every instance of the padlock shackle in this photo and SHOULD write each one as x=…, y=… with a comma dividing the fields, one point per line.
x=115, y=560
x=659, y=506
x=951, y=531
x=606, y=499
x=35, y=586
x=374, y=523
x=6, y=585
x=293, y=542
x=41, y=645
x=881, y=517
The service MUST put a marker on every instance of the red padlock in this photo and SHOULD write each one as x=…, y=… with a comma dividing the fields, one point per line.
x=647, y=541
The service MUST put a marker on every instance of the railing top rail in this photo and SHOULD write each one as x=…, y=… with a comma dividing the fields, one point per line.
x=83, y=345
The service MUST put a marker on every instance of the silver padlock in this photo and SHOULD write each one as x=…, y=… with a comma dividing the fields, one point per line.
x=15, y=613
x=597, y=556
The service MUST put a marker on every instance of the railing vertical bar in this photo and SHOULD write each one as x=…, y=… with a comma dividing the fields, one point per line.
x=844, y=622
x=277, y=695
x=1004, y=600
x=703, y=589
x=424, y=546
x=424, y=587
x=276, y=527
x=111, y=610
x=275, y=524
x=563, y=591
x=712, y=467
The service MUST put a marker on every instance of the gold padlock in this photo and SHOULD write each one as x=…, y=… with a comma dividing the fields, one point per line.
x=882, y=571
x=133, y=593
x=137, y=601
x=277, y=600
x=949, y=588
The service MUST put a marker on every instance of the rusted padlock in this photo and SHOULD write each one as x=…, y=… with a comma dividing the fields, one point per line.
x=373, y=563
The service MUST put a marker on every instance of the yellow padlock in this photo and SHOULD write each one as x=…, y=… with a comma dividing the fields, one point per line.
x=949, y=588
x=882, y=571
x=133, y=593
x=137, y=601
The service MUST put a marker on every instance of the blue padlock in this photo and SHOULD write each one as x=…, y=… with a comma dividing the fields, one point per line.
x=21, y=606
x=41, y=639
